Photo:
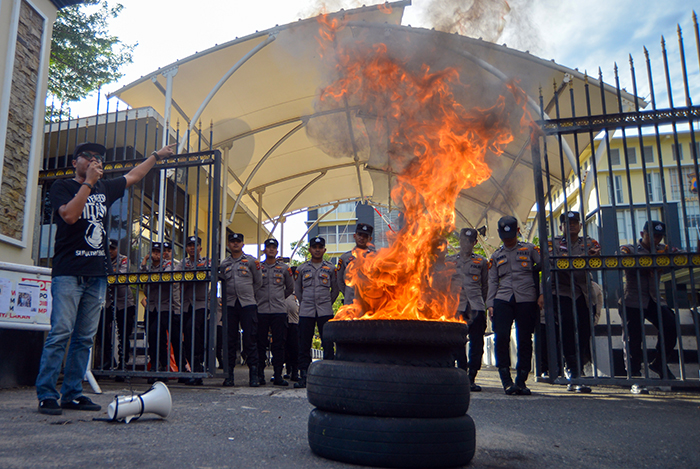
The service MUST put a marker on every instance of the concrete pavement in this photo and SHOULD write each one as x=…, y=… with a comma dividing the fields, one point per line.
x=241, y=427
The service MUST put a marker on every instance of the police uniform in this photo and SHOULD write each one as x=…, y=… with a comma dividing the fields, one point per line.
x=194, y=303
x=277, y=285
x=316, y=288
x=291, y=344
x=566, y=295
x=643, y=284
x=242, y=278
x=472, y=306
x=120, y=307
x=347, y=291
x=512, y=292
x=164, y=305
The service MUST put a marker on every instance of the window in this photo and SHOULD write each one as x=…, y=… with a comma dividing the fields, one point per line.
x=341, y=213
x=336, y=234
x=685, y=178
x=329, y=233
x=648, y=154
x=677, y=152
x=617, y=190
x=632, y=155
x=654, y=186
x=615, y=157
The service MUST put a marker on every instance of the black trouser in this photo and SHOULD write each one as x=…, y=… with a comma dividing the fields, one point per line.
x=477, y=328
x=306, y=336
x=125, y=319
x=277, y=324
x=220, y=345
x=291, y=351
x=667, y=341
x=160, y=349
x=525, y=317
x=247, y=318
x=195, y=321
x=570, y=324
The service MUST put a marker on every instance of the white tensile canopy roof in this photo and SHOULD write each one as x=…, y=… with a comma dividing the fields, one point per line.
x=258, y=94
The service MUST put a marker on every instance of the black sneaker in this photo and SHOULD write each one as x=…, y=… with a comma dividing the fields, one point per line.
x=50, y=407
x=81, y=403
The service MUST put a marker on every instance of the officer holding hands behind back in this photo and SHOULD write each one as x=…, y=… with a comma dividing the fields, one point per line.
x=316, y=287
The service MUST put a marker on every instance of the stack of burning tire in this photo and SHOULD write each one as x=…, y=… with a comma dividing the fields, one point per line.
x=392, y=397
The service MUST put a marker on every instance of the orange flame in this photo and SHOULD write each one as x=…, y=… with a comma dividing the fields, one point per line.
x=442, y=148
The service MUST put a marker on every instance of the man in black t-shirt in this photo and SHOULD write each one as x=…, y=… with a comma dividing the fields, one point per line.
x=79, y=272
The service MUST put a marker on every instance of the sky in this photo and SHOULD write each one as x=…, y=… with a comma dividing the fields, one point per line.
x=583, y=35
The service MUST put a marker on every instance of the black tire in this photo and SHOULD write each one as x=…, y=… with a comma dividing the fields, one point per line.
x=404, y=332
x=397, y=342
x=388, y=390
x=391, y=442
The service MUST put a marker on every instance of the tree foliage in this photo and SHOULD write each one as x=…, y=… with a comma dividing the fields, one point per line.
x=84, y=56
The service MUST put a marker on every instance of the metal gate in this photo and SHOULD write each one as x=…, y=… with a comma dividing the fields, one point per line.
x=627, y=314
x=162, y=310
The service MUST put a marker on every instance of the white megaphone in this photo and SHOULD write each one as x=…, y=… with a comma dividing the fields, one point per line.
x=156, y=400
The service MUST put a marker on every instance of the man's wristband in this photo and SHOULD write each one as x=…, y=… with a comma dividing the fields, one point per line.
x=88, y=184
x=155, y=153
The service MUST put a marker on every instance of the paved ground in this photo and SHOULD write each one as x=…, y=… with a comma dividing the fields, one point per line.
x=241, y=427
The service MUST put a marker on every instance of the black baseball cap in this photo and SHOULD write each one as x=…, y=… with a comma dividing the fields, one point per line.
x=469, y=233
x=508, y=227
x=156, y=246
x=193, y=240
x=87, y=146
x=236, y=237
x=113, y=243
x=569, y=216
x=271, y=242
x=318, y=241
x=364, y=228
x=657, y=228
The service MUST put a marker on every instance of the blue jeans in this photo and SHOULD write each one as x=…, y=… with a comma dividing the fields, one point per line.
x=75, y=313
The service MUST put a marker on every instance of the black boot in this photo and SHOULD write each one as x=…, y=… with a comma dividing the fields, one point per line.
x=520, y=378
x=507, y=381
x=473, y=387
x=294, y=374
x=261, y=377
x=573, y=374
x=277, y=378
x=253, y=379
x=228, y=382
x=302, y=380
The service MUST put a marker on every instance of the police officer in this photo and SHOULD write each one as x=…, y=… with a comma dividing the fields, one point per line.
x=242, y=276
x=277, y=285
x=119, y=307
x=163, y=306
x=472, y=307
x=513, y=296
x=316, y=287
x=194, y=304
x=566, y=295
x=363, y=238
x=122, y=299
x=643, y=285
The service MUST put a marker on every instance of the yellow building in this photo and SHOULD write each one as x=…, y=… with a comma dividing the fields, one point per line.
x=631, y=176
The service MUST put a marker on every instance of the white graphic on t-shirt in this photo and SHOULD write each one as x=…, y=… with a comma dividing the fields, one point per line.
x=93, y=212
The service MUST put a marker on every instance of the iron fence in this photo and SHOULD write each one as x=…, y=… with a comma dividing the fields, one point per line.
x=626, y=311
x=161, y=315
